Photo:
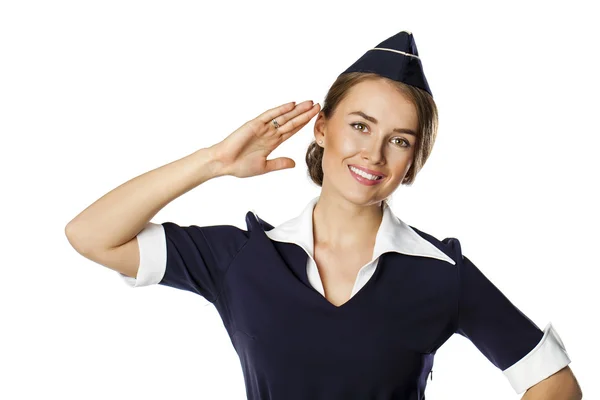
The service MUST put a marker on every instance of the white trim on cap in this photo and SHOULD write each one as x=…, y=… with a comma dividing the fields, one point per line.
x=395, y=51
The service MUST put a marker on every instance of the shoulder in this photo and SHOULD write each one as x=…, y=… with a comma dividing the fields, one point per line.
x=223, y=241
x=449, y=245
x=254, y=222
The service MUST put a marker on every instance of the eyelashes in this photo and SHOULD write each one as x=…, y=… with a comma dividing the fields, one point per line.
x=406, y=142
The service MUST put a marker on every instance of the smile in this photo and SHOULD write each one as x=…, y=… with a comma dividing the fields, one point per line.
x=363, y=177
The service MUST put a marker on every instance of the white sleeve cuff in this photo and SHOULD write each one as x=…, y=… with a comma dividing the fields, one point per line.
x=546, y=358
x=153, y=256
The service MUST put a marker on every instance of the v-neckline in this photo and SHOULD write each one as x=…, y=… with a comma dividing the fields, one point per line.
x=299, y=266
x=353, y=299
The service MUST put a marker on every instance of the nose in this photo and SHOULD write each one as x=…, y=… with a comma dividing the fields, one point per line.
x=373, y=151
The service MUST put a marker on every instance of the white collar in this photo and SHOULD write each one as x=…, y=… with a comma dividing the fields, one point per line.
x=393, y=235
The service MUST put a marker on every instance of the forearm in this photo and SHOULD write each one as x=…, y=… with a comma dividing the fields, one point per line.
x=560, y=395
x=122, y=213
x=560, y=386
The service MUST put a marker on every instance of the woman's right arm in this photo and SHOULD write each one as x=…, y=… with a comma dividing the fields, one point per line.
x=106, y=231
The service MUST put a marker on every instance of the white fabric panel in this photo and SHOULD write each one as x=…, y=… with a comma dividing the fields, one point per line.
x=548, y=357
x=153, y=256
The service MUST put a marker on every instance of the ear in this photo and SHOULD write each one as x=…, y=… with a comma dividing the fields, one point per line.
x=320, y=128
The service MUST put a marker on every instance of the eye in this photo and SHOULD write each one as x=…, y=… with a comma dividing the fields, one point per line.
x=358, y=123
x=405, y=141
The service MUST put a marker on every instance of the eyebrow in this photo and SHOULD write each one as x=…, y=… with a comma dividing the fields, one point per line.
x=374, y=120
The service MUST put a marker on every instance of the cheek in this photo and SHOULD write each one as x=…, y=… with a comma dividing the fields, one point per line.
x=335, y=156
x=402, y=165
x=350, y=144
x=347, y=146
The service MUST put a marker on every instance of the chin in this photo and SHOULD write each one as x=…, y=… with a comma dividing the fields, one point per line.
x=362, y=198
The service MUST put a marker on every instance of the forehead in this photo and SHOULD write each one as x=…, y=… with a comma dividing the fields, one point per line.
x=382, y=100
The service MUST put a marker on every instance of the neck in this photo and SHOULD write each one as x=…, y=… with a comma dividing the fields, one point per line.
x=340, y=224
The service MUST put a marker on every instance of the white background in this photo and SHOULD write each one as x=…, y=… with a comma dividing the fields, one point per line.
x=93, y=94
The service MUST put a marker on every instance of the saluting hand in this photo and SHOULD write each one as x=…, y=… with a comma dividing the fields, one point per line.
x=244, y=153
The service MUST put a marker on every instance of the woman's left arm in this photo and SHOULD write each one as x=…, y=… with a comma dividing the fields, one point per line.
x=561, y=385
x=535, y=361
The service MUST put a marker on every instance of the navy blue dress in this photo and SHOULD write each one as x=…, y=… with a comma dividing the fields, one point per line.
x=294, y=344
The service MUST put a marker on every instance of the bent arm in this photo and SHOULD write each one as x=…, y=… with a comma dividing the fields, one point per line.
x=106, y=230
x=561, y=385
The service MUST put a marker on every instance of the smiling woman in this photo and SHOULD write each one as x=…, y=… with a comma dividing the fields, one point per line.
x=420, y=104
x=371, y=123
x=344, y=301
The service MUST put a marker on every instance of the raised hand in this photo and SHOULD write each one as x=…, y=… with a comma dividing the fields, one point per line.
x=244, y=152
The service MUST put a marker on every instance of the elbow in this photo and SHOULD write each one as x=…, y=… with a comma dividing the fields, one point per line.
x=69, y=234
x=74, y=239
x=577, y=394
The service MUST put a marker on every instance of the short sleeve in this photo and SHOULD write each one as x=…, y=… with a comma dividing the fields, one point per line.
x=192, y=258
x=506, y=337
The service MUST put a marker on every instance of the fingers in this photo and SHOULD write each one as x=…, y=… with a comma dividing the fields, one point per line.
x=294, y=120
x=268, y=115
x=279, y=163
x=287, y=115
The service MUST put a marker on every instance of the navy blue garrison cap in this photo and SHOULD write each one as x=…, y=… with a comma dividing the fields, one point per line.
x=395, y=58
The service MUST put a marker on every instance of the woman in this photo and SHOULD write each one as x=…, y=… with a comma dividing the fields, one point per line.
x=344, y=301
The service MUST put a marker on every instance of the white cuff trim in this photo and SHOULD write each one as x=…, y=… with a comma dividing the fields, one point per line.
x=153, y=256
x=546, y=358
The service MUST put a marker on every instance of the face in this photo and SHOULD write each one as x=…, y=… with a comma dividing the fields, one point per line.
x=369, y=130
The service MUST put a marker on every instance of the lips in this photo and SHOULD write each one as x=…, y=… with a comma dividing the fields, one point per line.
x=367, y=170
x=363, y=180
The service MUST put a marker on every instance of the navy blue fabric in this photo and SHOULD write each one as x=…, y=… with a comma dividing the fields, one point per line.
x=487, y=317
x=392, y=65
x=198, y=256
x=294, y=344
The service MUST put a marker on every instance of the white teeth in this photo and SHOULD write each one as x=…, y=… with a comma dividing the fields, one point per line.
x=364, y=174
